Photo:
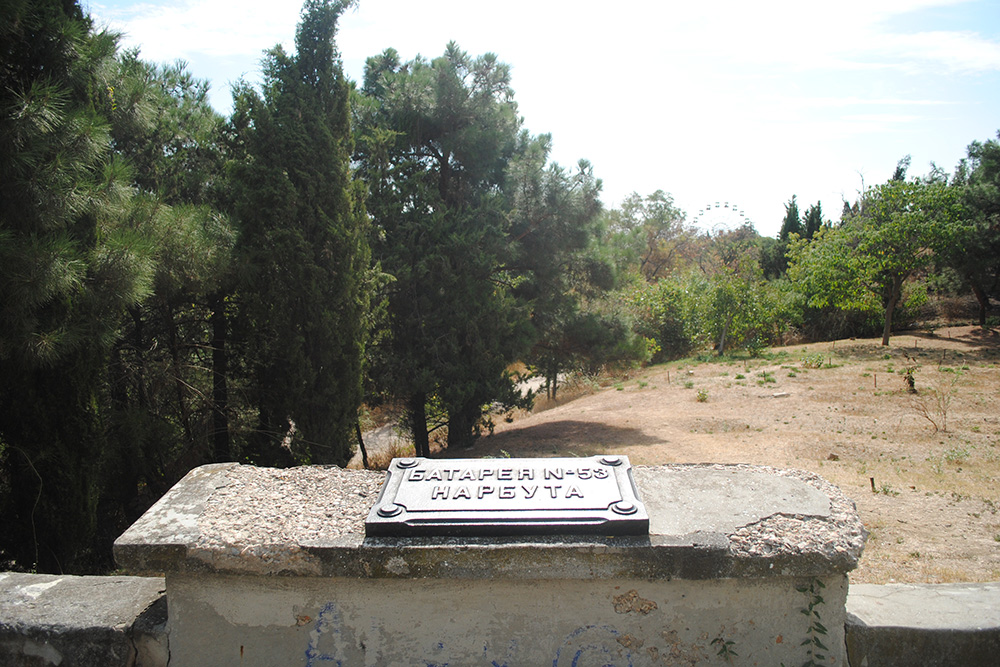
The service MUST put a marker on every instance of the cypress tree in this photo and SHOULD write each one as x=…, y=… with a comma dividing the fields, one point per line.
x=813, y=220
x=302, y=253
x=791, y=224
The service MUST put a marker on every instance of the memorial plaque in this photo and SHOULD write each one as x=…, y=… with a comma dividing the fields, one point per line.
x=594, y=495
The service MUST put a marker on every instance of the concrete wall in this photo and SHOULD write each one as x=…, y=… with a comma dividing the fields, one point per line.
x=242, y=621
x=52, y=620
x=276, y=567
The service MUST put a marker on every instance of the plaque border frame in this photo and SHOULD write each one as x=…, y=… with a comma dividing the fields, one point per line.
x=626, y=516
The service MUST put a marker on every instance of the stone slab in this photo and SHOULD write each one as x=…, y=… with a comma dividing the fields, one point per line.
x=491, y=497
x=68, y=621
x=927, y=606
x=933, y=625
x=706, y=521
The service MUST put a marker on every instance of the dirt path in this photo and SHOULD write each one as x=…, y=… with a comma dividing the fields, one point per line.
x=839, y=409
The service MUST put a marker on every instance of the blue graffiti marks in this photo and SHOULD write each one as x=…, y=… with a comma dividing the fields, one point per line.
x=588, y=646
x=592, y=646
x=327, y=624
x=511, y=650
x=438, y=649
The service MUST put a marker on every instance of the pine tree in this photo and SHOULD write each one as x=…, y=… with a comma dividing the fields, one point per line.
x=563, y=274
x=302, y=252
x=975, y=252
x=436, y=140
x=169, y=413
x=73, y=257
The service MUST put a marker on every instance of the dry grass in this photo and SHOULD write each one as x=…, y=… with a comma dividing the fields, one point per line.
x=842, y=410
x=381, y=458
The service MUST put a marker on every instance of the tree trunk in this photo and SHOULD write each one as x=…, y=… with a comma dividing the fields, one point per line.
x=984, y=301
x=418, y=424
x=722, y=338
x=179, y=387
x=890, y=307
x=361, y=445
x=220, y=386
x=139, y=345
x=460, y=425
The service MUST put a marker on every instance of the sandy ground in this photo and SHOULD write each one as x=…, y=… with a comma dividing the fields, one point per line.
x=928, y=497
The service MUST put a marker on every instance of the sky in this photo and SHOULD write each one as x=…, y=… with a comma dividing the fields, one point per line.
x=716, y=101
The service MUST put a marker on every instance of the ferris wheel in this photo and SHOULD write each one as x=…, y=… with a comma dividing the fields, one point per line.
x=719, y=217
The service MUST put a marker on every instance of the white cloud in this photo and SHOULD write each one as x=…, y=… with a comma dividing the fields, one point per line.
x=804, y=36
x=800, y=36
x=829, y=102
x=955, y=51
x=217, y=28
x=716, y=99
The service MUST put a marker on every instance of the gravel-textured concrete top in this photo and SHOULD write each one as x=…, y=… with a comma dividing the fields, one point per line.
x=706, y=521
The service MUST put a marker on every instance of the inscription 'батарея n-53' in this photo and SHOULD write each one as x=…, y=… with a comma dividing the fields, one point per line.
x=508, y=497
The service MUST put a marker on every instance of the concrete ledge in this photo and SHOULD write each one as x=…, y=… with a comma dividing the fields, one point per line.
x=930, y=625
x=706, y=522
x=266, y=566
x=82, y=621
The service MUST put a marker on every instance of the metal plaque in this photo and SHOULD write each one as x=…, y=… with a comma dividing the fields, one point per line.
x=594, y=495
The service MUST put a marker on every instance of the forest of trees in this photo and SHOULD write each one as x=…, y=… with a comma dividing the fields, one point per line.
x=178, y=287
